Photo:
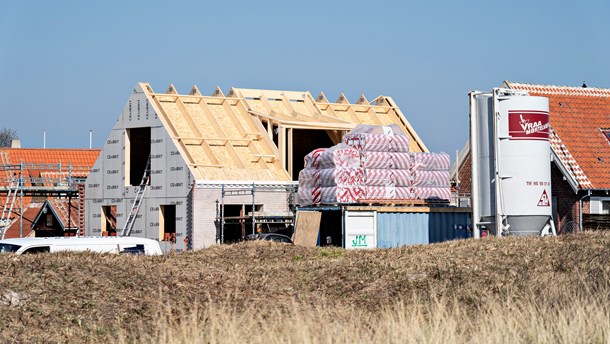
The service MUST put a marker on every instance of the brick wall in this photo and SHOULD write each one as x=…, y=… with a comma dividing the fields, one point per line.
x=567, y=218
x=464, y=177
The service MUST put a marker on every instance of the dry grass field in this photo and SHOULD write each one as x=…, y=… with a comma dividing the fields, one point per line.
x=535, y=290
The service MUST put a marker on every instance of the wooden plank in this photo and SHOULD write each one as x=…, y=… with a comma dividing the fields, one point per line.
x=281, y=145
x=307, y=228
x=290, y=157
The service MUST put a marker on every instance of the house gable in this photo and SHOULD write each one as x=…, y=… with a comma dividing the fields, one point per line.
x=138, y=135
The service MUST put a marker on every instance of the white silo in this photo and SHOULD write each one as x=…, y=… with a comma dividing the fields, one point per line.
x=511, y=163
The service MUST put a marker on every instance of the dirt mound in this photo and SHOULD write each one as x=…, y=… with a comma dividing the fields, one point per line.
x=87, y=297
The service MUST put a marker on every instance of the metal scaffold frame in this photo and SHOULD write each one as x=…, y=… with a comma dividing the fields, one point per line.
x=13, y=182
x=254, y=217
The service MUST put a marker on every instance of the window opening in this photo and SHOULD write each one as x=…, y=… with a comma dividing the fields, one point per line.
x=167, y=223
x=109, y=220
x=137, y=151
x=304, y=141
x=238, y=221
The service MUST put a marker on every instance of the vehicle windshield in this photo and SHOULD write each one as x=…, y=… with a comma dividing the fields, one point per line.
x=5, y=248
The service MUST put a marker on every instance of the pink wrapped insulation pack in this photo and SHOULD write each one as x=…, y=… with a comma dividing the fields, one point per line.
x=430, y=178
x=387, y=192
x=385, y=160
x=311, y=159
x=330, y=194
x=340, y=155
x=331, y=176
x=377, y=177
x=431, y=193
x=430, y=161
x=377, y=138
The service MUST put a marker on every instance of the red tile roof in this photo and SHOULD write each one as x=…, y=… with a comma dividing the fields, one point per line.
x=29, y=215
x=80, y=161
x=60, y=206
x=65, y=156
x=577, y=115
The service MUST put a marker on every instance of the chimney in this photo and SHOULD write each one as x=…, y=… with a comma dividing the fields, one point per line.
x=16, y=143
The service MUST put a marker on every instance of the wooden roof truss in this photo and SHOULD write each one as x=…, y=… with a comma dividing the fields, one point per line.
x=232, y=137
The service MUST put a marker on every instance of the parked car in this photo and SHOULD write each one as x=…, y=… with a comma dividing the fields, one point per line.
x=270, y=237
x=130, y=245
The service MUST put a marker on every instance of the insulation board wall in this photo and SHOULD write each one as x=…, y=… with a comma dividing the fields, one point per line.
x=170, y=178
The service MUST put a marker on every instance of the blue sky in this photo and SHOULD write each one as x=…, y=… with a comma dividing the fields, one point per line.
x=69, y=66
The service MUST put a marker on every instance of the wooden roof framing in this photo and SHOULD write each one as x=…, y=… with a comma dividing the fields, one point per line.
x=232, y=137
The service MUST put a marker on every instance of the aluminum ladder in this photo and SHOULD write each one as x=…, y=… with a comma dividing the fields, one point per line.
x=5, y=219
x=137, y=202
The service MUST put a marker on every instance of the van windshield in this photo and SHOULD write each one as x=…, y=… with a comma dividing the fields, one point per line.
x=5, y=248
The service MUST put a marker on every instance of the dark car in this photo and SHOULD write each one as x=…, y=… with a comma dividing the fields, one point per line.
x=270, y=237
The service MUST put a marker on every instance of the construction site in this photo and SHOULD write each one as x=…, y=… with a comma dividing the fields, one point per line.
x=352, y=186
x=211, y=169
x=192, y=171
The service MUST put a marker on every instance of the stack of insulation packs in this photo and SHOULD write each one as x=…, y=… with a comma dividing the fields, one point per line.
x=372, y=163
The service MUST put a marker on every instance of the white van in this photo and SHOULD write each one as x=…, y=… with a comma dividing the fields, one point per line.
x=131, y=245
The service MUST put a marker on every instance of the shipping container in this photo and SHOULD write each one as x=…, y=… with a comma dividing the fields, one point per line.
x=357, y=227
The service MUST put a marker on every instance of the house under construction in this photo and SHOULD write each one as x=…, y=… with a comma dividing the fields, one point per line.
x=196, y=170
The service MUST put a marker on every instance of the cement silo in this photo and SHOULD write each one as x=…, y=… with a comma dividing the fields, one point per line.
x=511, y=171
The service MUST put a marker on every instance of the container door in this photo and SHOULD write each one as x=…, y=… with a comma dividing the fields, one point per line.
x=360, y=229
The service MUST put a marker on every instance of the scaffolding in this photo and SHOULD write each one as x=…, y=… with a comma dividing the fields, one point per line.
x=254, y=217
x=55, y=180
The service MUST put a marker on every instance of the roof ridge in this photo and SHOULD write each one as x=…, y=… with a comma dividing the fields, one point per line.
x=50, y=149
x=561, y=90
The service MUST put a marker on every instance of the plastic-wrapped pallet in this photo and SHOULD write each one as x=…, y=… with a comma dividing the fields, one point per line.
x=340, y=155
x=331, y=176
x=422, y=178
x=430, y=176
x=430, y=161
x=387, y=177
x=330, y=194
x=377, y=138
x=385, y=160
